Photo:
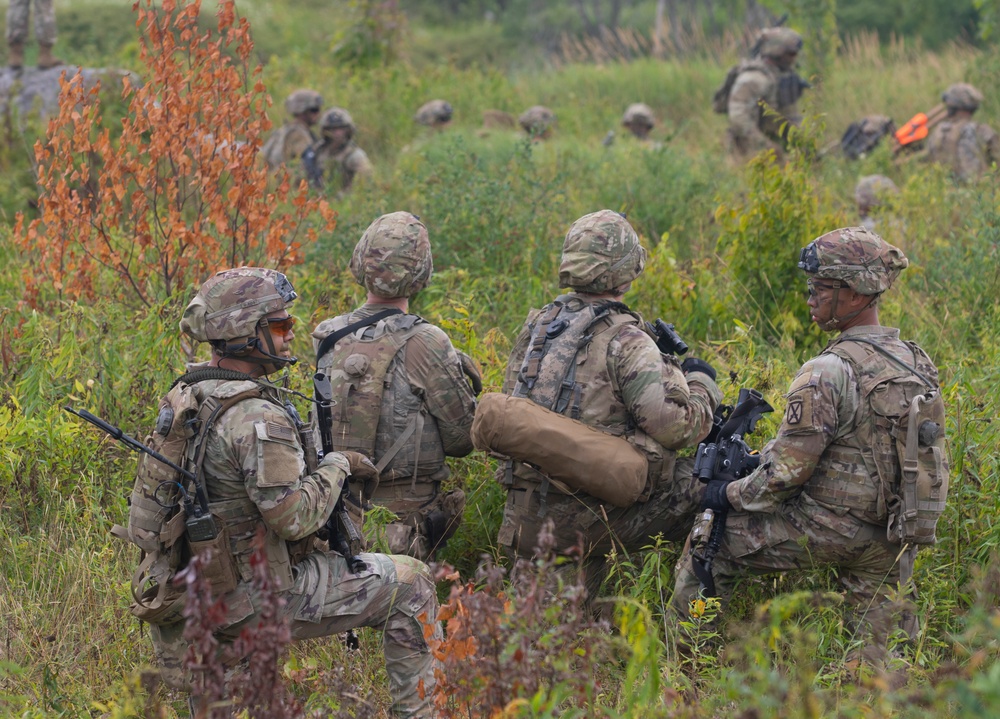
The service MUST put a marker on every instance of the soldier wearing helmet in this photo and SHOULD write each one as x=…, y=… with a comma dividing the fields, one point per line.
x=588, y=356
x=967, y=147
x=760, y=95
x=434, y=114
x=259, y=479
x=639, y=120
x=407, y=396
x=827, y=490
x=287, y=144
x=538, y=121
x=336, y=159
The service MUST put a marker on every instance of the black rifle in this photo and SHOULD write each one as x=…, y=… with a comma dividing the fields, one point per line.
x=667, y=339
x=310, y=163
x=339, y=529
x=198, y=523
x=727, y=456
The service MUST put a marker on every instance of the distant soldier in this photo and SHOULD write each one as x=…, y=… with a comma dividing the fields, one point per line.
x=435, y=114
x=336, y=159
x=760, y=95
x=967, y=147
x=45, y=33
x=401, y=387
x=869, y=194
x=538, y=121
x=289, y=142
x=639, y=120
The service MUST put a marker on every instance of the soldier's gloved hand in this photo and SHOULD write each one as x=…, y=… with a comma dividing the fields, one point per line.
x=693, y=364
x=715, y=494
x=363, y=470
x=471, y=370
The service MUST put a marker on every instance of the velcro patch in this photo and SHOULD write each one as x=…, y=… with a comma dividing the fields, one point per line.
x=280, y=432
x=793, y=413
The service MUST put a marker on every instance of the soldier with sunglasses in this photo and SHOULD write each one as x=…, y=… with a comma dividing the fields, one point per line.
x=258, y=480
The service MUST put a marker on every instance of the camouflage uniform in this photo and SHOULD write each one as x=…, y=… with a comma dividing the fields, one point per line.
x=968, y=148
x=623, y=386
x=537, y=121
x=343, y=162
x=763, y=83
x=256, y=479
x=288, y=143
x=817, y=498
x=403, y=398
x=45, y=22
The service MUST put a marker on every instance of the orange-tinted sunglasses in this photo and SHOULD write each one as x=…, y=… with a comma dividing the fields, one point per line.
x=280, y=326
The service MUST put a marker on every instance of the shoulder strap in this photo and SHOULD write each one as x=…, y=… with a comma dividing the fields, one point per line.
x=334, y=337
x=887, y=354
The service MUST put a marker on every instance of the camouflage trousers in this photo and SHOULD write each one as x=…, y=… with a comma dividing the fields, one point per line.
x=582, y=519
x=804, y=536
x=45, y=21
x=394, y=594
x=427, y=517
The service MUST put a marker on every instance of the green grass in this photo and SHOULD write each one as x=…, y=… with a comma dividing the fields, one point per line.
x=723, y=244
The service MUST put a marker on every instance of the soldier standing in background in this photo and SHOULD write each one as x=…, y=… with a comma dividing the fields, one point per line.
x=828, y=489
x=403, y=396
x=968, y=148
x=761, y=94
x=287, y=145
x=639, y=120
x=336, y=158
x=589, y=346
x=258, y=478
x=18, y=12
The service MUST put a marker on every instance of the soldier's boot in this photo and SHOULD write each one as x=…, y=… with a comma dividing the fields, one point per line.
x=15, y=55
x=46, y=59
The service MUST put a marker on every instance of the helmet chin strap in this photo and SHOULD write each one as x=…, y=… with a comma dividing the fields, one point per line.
x=271, y=362
x=834, y=323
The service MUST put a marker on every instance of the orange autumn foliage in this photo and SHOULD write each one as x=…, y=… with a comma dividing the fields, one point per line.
x=181, y=192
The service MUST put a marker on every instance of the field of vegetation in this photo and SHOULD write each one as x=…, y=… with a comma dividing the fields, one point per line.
x=89, y=315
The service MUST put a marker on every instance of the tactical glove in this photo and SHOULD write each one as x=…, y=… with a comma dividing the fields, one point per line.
x=471, y=370
x=693, y=364
x=715, y=495
x=363, y=470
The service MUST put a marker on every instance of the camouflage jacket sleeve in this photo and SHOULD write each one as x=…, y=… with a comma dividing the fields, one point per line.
x=434, y=370
x=357, y=163
x=744, y=108
x=820, y=406
x=297, y=140
x=673, y=409
x=990, y=143
x=266, y=453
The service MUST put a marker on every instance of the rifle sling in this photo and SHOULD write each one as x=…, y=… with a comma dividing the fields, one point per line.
x=333, y=338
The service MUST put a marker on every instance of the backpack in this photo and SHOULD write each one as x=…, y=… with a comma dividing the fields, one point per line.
x=907, y=438
x=720, y=100
x=158, y=521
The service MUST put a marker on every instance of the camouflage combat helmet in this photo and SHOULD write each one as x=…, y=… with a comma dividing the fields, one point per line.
x=857, y=257
x=435, y=112
x=302, y=101
x=962, y=96
x=336, y=117
x=537, y=120
x=871, y=190
x=601, y=252
x=230, y=304
x=639, y=113
x=777, y=41
x=393, y=256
